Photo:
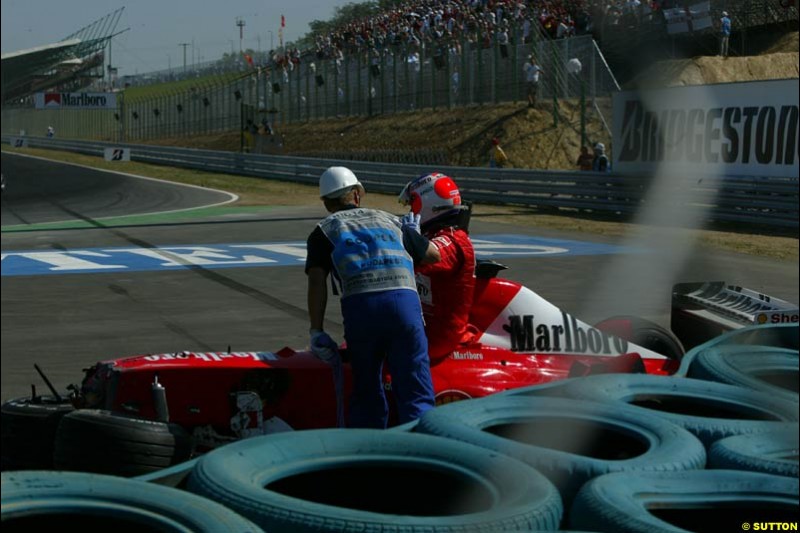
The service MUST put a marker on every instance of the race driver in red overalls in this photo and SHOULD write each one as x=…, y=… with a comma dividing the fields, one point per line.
x=446, y=286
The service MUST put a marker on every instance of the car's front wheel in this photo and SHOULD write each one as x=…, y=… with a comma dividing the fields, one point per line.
x=29, y=427
x=93, y=440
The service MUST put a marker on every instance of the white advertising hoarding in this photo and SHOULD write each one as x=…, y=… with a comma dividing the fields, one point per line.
x=75, y=100
x=732, y=129
x=117, y=154
x=685, y=19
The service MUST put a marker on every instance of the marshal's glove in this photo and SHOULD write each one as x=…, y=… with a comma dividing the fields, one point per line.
x=323, y=346
x=410, y=221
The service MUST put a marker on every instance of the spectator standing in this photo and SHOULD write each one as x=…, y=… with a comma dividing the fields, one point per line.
x=526, y=30
x=250, y=129
x=725, y=34
x=585, y=159
x=372, y=264
x=497, y=157
x=503, y=40
x=532, y=73
x=600, y=162
x=51, y=131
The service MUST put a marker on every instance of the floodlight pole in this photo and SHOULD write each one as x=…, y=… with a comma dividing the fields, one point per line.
x=184, y=45
x=109, y=53
x=240, y=22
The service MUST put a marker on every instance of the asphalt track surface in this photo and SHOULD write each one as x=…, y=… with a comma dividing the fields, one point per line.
x=68, y=322
x=43, y=191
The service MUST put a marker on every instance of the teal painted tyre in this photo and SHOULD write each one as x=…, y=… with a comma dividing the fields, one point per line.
x=74, y=501
x=767, y=369
x=773, y=452
x=569, y=441
x=677, y=502
x=550, y=388
x=348, y=480
x=709, y=410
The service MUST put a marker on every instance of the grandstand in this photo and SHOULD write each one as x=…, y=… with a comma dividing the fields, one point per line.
x=70, y=64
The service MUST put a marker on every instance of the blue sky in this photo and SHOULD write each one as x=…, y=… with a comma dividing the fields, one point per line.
x=156, y=27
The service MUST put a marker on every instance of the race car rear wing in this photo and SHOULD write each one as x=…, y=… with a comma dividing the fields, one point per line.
x=702, y=311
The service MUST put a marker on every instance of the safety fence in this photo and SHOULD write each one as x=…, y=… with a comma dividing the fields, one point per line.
x=766, y=202
x=396, y=79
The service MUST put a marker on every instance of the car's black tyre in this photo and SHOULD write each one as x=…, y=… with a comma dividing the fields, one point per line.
x=768, y=369
x=348, y=480
x=569, y=441
x=646, y=334
x=75, y=501
x=773, y=452
x=29, y=429
x=709, y=410
x=92, y=440
x=673, y=502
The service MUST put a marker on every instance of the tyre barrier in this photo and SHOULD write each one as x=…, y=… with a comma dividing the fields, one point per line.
x=771, y=370
x=347, y=480
x=709, y=410
x=569, y=441
x=74, y=501
x=92, y=440
x=551, y=389
x=408, y=427
x=671, y=502
x=29, y=427
x=773, y=452
x=173, y=476
x=782, y=336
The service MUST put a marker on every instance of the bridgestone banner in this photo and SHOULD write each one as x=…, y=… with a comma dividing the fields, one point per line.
x=117, y=154
x=731, y=129
x=75, y=100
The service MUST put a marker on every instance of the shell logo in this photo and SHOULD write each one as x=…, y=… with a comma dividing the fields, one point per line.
x=762, y=318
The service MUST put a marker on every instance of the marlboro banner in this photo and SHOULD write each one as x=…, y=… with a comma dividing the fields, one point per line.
x=75, y=100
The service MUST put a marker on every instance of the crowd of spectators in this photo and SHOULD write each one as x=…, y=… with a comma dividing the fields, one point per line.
x=439, y=26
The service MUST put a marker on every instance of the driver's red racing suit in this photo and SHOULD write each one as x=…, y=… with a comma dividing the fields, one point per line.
x=446, y=290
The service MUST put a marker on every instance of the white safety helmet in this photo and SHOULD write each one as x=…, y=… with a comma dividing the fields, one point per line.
x=337, y=181
x=432, y=196
x=600, y=147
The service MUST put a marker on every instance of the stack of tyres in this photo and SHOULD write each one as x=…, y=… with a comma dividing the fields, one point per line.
x=764, y=368
x=74, y=501
x=348, y=480
x=570, y=441
x=680, y=502
x=772, y=452
x=709, y=410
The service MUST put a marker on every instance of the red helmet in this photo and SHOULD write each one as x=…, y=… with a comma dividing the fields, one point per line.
x=432, y=196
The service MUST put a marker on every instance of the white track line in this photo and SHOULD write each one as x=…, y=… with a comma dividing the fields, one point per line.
x=232, y=197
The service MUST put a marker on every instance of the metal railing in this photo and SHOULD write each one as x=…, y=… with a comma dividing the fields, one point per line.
x=766, y=202
x=394, y=80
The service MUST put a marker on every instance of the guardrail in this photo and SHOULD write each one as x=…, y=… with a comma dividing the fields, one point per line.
x=766, y=202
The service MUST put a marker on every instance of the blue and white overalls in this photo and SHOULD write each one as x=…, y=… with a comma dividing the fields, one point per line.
x=381, y=309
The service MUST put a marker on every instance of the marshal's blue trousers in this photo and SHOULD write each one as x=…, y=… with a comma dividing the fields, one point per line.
x=387, y=326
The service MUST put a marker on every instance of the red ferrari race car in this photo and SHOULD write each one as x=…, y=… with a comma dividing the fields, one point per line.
x=143, y=413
